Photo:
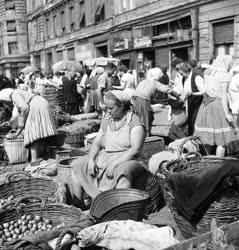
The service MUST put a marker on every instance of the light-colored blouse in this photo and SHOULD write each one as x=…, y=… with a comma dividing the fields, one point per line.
x=147, y=88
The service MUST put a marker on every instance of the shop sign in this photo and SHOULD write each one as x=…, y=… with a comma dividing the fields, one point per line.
x=120, y=44
x=83, y=52
x=142, y=42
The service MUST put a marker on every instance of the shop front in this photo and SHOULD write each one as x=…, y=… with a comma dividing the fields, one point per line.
x=83, y=51
x=174, y=39
x=122, y=50
x=145, y=54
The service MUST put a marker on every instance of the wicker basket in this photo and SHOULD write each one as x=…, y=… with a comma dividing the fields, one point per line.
x=223, y=208
x=16, y=151
x=57, y=213
x=64, y=176
x=21, y=184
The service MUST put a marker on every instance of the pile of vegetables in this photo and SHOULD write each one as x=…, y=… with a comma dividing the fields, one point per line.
x=77, y=131
x=82, y=127
x=5, y=203
x=60, y=117
x=26, y=225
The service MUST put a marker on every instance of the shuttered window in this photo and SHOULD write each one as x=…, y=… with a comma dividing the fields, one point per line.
x=224, y=37
x=12, y=48
x=224, y=32
x=162, y=56
x=59, y=55
x=71, y=54
x=37, y=60
x=11, y=26
x=10, y=4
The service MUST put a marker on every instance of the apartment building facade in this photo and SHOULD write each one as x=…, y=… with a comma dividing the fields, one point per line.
x=13, y=37
x=141, y=33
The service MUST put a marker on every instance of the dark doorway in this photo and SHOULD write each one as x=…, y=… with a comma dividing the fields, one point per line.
x=102, y=51
x=180, y=53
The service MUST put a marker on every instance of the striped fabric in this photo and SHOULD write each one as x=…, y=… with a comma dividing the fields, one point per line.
x=39, y=122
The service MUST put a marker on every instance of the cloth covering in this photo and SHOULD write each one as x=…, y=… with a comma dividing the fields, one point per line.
x=191, y=188
x=5, y=94
x=117, y=235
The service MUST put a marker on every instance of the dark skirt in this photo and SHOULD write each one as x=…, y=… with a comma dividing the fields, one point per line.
x=72, y=108
x=143, y=109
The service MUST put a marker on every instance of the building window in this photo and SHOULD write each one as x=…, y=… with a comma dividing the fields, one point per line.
x=37, y=61
x=11, y=26
x=223, y=33
x=10, y=4
x=82, y=14
x=63, y=21
x=49, y=61
x=72, y=17
x=128, y=5
x=47, y=28
x=59, y=55
x=71, y=54
x=54, y=25
x=12, y=48
x=100, y=12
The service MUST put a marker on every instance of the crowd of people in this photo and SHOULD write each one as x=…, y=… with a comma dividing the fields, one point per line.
x=207, y=95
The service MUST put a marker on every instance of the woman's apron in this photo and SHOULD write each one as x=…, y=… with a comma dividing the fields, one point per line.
x=116, y=143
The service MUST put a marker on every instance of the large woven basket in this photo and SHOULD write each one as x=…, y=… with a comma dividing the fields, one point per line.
x=21, y=184
x=223, y=206
x=15, y=150
x=57, y=213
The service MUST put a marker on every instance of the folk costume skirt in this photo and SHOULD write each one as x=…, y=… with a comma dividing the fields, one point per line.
x=213, y=128
x=39, y=123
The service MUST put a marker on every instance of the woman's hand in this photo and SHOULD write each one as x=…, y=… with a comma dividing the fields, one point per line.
x=92, y=167
x=110, y=171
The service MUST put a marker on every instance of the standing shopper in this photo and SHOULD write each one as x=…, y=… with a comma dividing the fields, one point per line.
x=70, y=94
x=34, y=118
x=215, y=124
x=144, y=91
x=193, y=91
x=233, y=93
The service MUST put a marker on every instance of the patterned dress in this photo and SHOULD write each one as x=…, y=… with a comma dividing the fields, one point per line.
x=211, y=124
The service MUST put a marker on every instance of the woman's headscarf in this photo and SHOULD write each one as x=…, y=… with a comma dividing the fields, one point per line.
x=120, y=95
x=222, y=63
x=154, y=74
x=5, y=95
x=97, y=71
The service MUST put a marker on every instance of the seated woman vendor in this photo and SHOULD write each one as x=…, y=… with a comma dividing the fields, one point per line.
x=111, y=162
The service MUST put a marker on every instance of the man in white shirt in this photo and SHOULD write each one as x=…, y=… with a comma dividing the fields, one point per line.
x=193, y=90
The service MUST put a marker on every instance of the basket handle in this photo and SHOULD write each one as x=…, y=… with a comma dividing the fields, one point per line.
x=16, y=176
x=60, y=238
